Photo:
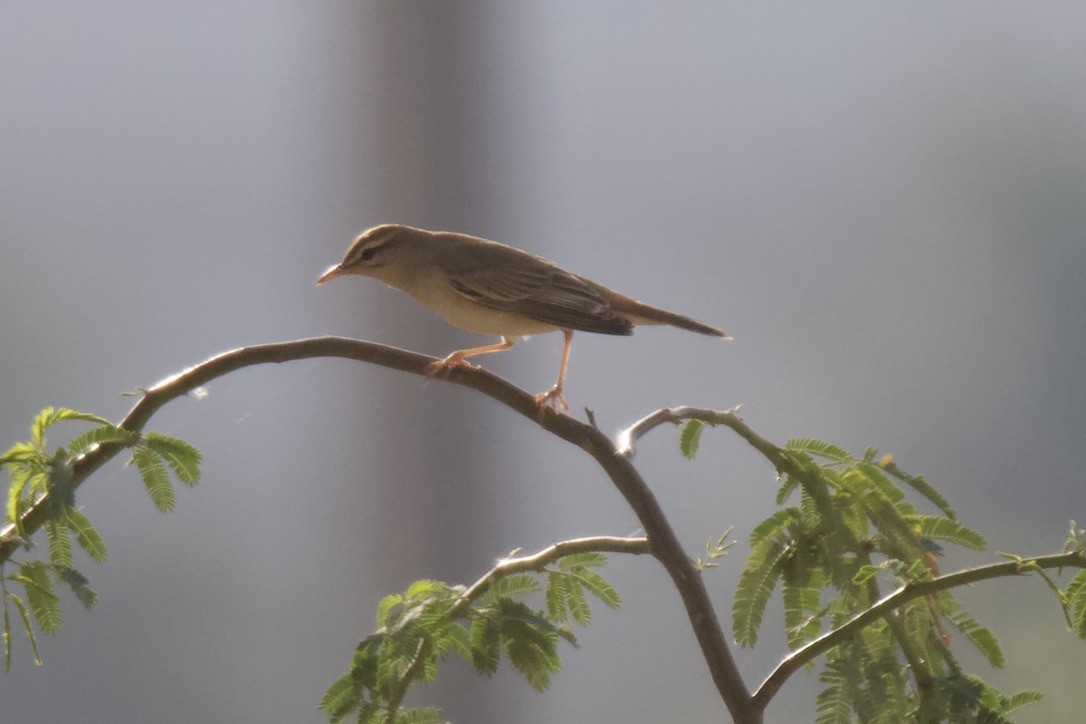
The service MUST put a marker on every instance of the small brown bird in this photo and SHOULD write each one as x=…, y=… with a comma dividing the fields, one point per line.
x=490, y=288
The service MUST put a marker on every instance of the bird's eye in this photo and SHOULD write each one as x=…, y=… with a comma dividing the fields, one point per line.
x=367, y=254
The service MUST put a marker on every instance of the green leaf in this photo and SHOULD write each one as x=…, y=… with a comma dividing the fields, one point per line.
x=578, y=606
x=60, y=545
x=425, y=588
x=1020, y=700
x=400, y=654
x=420, y=715
x=100, y=436
x=7, y=631
x=19, y=478
x=50, y=415
x=899, y=538
x=940, y=528
x=77, y=582
x=599, y=587
x=756, y=584
x=453, y=637
x=818, y=448
x=788, y=486
x=365, y=662
x=534, y=656
x=864, y=574
x=774, y=524
x=689, y=438
x=342, y=697
x=589, y=559
x=1076, y=600
x=44, y=603
x=514, y=586
x=981, y=637
x=21, y=608
x=155, y=478
x=485, y=644
x=85, y=535
x=385, y=606
x=22, y=453
x=920, y=485
x=878, y=480
x=368, y=713
x=558, y=585
x=183, y=459
x=833, y=704
x=802, y=604
x=37, y=486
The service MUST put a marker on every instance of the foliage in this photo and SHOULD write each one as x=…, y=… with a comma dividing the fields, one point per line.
x=851, y=532
x=431, y=620
x=844, y=530
x=715, y=549
x=40, y=477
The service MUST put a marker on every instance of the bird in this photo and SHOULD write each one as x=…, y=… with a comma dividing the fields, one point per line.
x=490, y=288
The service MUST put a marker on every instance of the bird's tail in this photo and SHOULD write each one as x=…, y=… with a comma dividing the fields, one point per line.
x=641, y=313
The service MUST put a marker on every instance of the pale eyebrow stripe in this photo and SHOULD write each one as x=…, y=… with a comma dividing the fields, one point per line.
x=379, y=243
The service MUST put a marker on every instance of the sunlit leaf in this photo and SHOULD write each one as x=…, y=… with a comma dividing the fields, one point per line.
x=940, y=528
x=818, y=448
x=341, y=697
x=155, y=478
x=99, y=436
x=689, y=438
x=599, y=587
x=51, y=415
x=60, y=545
x=25, y=617
x=44, y=603
x=85, y=534
x=756, y=584
x=588, y=559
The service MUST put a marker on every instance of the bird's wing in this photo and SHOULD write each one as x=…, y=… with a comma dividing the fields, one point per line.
x=526, y=285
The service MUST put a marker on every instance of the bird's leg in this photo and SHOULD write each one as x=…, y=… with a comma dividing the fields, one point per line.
x=553, y=396
x=459, y=358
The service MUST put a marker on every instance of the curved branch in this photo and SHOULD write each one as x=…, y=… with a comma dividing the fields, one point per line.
x=665, y=544
x=626, y=440
x=801, y=656
x=537, y=561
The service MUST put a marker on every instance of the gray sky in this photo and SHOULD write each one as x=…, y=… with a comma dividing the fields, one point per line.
x=882, y=203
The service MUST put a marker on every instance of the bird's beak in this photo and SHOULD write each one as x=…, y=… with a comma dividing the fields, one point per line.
x=332, y=273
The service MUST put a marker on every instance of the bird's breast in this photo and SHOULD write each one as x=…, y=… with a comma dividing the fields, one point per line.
x=434, y=292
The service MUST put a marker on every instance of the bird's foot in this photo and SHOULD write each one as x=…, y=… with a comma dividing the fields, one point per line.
x=443, y=367
x=552, y=398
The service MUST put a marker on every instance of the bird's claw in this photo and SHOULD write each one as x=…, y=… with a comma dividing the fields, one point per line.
x=552, y=398
x=443, y=367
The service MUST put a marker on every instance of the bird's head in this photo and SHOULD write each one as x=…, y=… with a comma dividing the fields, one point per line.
x=374, y=250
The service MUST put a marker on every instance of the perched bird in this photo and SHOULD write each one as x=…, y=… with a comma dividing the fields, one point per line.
x=490, y=288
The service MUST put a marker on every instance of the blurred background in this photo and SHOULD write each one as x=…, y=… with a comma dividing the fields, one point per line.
x=883, y=204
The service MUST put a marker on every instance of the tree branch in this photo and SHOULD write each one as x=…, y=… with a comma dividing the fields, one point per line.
x=537, y=561
x=626, y=440
x=664, y=543
x=796, y=660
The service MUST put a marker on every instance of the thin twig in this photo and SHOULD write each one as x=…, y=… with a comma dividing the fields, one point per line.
x=626, y=440
x=537, y=561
